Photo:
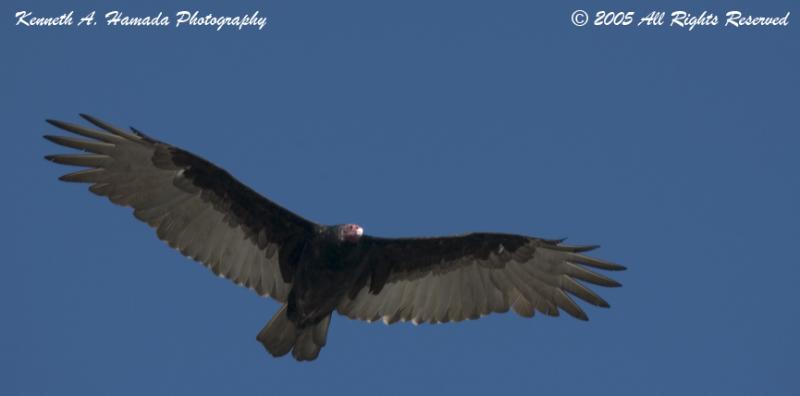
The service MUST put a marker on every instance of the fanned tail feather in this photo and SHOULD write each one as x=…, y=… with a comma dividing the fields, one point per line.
x=281, y=335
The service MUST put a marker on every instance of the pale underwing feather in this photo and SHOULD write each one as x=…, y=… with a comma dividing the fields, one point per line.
x=134, y=170
x=473, y=287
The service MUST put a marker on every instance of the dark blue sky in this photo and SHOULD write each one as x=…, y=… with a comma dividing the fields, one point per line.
x=676, y=151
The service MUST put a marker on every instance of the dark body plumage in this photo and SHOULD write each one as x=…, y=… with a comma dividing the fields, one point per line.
x=201, y=210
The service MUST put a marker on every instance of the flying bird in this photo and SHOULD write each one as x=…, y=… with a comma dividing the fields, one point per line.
x=313, y=269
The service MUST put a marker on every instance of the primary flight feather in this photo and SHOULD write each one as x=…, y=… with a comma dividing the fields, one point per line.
x=314, y=270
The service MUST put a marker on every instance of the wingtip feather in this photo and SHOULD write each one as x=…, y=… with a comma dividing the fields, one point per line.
x=571, y=249
x=59, y=124
x=106, y=126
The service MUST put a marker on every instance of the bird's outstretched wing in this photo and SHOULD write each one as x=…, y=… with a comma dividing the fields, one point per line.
x=454, y=278
x=195, y=206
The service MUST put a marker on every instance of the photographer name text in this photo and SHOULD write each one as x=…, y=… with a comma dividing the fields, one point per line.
x=115, y=18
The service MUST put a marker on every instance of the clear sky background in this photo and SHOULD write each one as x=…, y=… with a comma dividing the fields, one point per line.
x=676, y=151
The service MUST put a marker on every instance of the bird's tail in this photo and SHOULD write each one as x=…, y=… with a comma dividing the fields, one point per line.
x=281, y=335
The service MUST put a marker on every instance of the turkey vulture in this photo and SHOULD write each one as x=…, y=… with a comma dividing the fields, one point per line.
x=312, y=269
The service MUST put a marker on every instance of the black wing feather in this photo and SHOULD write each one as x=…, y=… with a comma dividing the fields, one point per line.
x=454, y=278
x=195, y=206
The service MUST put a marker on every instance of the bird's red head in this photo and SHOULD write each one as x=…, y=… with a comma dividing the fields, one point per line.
x=350, y=232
